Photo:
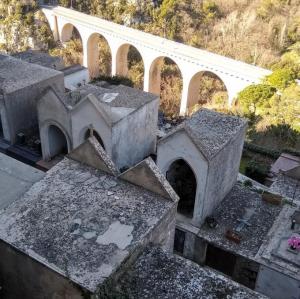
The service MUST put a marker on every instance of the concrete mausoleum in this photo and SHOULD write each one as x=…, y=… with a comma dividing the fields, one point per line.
x=120, y=117
x=80, y=224
x=103, y=222
x=21, y=86
x=201, y=153
x=88, y=232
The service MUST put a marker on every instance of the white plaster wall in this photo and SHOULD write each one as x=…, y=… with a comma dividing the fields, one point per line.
x=134, y=137
x=83, y=117
x=80, y=77
x=223, y=172
x=277, y=285
x=51, y=111
x=3, y=119
x=21, y=105
x=180, y=146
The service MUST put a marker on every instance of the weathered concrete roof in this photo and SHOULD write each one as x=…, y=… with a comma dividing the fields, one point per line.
x=287, y=186
x=114, y=103
x=16, y=74
x=275, y=251
x=157, y=274
x=240, y=202
x=15, y=179
x=210, y=130
x=41, y=58
x=82, y=222
x=114, y=96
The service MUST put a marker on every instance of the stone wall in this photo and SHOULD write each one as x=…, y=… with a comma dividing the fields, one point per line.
x=242, y=270
x=134, y=137
x=223, y=172
x=21, y=105
x=31, y=278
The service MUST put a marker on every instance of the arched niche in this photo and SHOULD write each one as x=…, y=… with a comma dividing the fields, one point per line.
x=68, y=32
x=57, y=140
x=206, y=88
x=183, y=180
x=99, y=56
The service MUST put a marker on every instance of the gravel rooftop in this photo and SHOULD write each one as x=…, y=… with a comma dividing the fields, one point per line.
x=210, y=130
x=16, y=74
x=240, y=201
x=157, y=274
x=82, y=222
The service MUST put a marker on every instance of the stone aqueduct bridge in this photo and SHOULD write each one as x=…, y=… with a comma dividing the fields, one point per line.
x=191, y=61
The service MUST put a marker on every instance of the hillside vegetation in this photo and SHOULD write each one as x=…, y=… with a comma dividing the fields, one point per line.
x=261, y=32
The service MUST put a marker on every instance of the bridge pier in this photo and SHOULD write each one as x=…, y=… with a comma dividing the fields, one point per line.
x=85, y=53
x=114, y=63
x=184, y=96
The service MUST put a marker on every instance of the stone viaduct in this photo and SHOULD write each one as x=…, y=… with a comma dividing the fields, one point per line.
x=191, y=61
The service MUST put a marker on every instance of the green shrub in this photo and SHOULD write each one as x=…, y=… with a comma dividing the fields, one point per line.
x=254, y=97
x=281, y=78
x=115, y=80
x=262, y=150
x=248, y=183
x=257, y=172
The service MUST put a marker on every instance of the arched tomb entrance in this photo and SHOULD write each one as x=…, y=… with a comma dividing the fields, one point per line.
x=182, y=178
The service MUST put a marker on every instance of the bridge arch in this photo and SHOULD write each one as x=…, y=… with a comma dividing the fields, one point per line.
x=165, y=76
x=204, y=87
x=99, y=55
x=68, y=31
x=71, y=34
x=130, y=63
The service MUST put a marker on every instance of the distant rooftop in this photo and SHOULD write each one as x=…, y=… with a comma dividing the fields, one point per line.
x=157, y=274
x=210, y=130
x=16, y=74
x=285, y=162
x=287, y=187
x=15, y=179
x=41, y=58
x=82, y=222
x=241, y=204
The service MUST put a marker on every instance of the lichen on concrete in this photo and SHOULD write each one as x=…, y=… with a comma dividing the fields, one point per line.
x=157, y=274
x=234, y=208
x=18, y=74
x=210, y=130
x=82, y=222
x=287, y=187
